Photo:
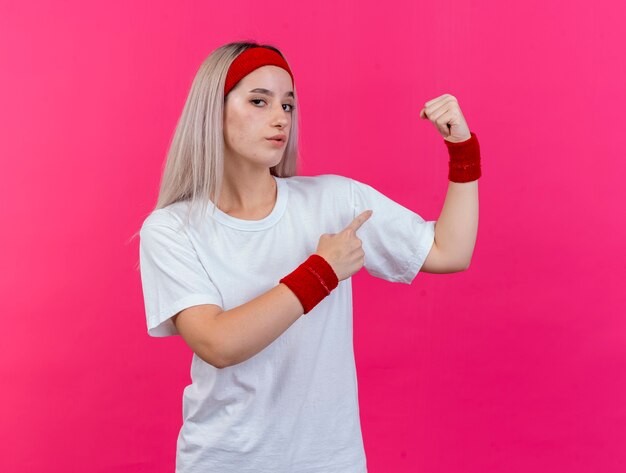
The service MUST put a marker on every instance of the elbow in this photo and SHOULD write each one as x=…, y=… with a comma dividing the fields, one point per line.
x=231, y=358
x=212, y=360
x=458, y=267
x=221, y=361
x=463, y=263
x=221, y=354
x=213, y=355
x=226, y=357
x=221, y=366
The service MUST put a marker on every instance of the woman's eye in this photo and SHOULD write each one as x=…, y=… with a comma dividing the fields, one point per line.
x=261, y=100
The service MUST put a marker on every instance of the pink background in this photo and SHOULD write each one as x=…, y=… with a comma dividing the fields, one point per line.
x=516, y=365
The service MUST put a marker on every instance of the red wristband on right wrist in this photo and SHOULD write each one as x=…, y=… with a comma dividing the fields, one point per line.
x=312, y=281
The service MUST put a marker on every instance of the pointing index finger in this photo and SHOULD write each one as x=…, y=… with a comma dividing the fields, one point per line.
x=359, y=220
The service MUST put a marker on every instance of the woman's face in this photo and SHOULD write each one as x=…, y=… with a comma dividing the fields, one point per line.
x=250, y=118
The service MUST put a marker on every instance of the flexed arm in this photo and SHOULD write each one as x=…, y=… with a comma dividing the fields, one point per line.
x=457, y=226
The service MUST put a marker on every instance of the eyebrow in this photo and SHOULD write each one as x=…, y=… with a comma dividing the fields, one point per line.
x=270, y=93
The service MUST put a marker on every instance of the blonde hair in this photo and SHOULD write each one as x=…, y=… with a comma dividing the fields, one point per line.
x=194, y=167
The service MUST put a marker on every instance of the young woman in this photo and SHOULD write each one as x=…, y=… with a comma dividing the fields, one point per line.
x=259, y=286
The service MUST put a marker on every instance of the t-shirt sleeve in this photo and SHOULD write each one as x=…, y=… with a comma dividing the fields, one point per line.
x=172, y=277
x=396, y=240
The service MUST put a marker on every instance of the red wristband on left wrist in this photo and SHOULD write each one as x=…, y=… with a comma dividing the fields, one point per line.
x=464, y=165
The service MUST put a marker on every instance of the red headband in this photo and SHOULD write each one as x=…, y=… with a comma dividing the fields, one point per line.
x=251, y=59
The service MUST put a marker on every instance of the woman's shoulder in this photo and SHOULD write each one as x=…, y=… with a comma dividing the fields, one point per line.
x=169, y=216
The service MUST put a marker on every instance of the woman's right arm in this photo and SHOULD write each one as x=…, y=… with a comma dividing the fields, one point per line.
x=226, y=338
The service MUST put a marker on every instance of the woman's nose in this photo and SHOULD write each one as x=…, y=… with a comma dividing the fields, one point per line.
x=280, y=116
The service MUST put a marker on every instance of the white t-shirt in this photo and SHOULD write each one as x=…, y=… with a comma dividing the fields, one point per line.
x=293, y=407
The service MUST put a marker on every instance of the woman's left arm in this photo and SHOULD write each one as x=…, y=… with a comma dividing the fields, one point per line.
x=457, y=226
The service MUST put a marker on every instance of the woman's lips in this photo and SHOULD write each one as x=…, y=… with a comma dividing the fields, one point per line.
x=276, y=143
